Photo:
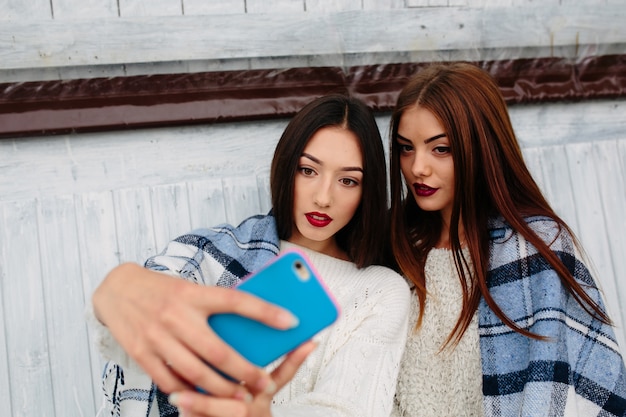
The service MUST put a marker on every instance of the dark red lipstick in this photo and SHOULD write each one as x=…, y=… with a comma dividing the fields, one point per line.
x=423, y=190
x=318, y=219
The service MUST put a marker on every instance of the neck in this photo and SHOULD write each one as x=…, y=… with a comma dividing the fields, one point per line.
x=444, y=241
x=326, y=248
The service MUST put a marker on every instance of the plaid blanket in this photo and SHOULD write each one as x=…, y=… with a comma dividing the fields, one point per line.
x=579, y=371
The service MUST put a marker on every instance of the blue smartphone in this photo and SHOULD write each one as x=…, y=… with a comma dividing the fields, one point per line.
x=289, y=281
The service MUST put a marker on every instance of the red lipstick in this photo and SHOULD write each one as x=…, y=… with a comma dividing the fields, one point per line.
x=318, y=219
x=423, y=190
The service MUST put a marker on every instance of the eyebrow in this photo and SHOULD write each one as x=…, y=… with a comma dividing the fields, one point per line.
x=439, y=136
x=317, y=161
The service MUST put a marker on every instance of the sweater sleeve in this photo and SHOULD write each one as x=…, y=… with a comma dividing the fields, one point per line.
x=354, y=369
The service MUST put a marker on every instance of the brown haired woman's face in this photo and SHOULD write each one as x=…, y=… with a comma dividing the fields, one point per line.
x=327, y=188
x=426, y=160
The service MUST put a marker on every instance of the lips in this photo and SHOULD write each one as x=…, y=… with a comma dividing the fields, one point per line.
x=422, y=190
x=318, y=219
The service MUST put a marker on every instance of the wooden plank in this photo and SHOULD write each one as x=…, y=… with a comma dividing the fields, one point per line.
x=5, y=378
x=210, y=7
x=133, y=8
x=64, y=308
x=416, y=3
x=28, y=44
x=438, y=3
x=13, y=10
x=382, y=4
x=134, y=224
x=533, y=159
x=99, y=162
x=552, y=124
x=241, y=198
x=275, y=6
x=557, y=184
x=98, y=252
x=206, y=203
x=586, y=175
x=170, y=210
x=607, y=163
x=72, y=9
x=330, y=6
x=265, y=193
x=25, y=317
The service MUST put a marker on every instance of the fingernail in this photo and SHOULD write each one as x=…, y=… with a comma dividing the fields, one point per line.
x=268, y=386
x=288, y=320
x=244, y=396
x=178, y=401
x=174, y=399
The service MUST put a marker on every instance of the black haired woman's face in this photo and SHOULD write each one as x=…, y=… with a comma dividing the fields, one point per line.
x=327, y=188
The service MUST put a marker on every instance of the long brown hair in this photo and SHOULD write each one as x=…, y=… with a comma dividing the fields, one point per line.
x=491, y=179
x=360, y=238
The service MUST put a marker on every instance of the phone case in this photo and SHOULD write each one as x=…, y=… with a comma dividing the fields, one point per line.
x=291, y=282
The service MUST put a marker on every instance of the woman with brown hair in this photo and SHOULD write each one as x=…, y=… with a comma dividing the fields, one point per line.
x=506, y=319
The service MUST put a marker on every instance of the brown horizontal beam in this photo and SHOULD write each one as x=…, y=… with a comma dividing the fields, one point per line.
x=99, y=104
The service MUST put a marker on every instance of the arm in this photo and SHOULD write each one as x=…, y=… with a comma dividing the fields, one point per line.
x=154, y=322
x=577, y=369
x=160, y=323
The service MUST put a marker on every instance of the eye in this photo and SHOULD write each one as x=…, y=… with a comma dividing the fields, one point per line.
x=441, y=150
x=306, y=171
x=404, y=148
x=349, y=182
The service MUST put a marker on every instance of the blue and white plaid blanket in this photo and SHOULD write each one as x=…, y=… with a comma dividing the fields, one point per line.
x=579, y=371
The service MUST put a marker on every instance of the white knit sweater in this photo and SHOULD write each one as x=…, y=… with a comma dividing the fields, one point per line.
x=435, y=382
x=354, y=369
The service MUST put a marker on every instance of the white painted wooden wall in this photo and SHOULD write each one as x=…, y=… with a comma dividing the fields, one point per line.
x=74, y=206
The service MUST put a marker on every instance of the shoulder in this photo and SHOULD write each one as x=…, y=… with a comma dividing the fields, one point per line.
x=557, y=237
x=222, y=250
x=251, y=227
x=255, y=232
x=546, y=227
x=512, y=257
x=383, y=280
x=374, y=292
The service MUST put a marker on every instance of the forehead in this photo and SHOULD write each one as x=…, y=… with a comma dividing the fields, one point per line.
x=419, y=123
x=335, y=145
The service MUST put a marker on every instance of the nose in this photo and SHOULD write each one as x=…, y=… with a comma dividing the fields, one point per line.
x=420, y=166
x=323, y=194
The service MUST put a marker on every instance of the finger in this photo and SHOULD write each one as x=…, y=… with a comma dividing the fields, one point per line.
x=193, y=404
x=292, y=362
x=164, y=376
x=196, y=372
x=227, y=300
x=198, y=343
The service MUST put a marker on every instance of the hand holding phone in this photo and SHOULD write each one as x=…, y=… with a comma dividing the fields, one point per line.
x=289, y=281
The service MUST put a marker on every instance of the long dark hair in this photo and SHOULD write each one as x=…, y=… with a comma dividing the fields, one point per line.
x=491, y=179
x=361, y=237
